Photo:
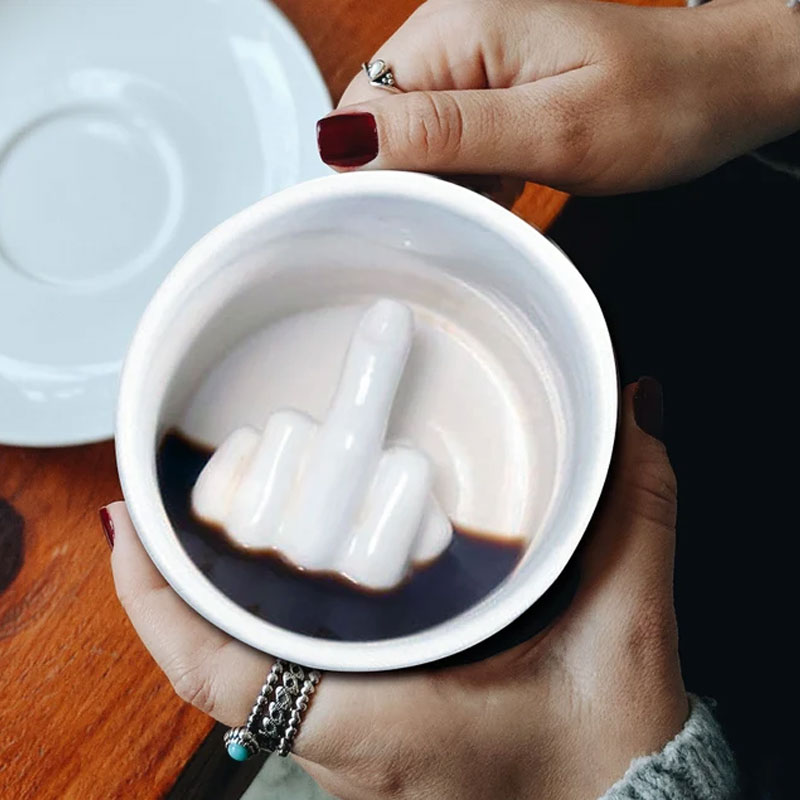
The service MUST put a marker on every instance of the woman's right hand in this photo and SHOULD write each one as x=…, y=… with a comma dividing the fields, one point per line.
x=591, y=97
x=557, y=718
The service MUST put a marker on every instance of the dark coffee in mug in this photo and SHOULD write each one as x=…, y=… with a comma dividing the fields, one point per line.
x=328, y=605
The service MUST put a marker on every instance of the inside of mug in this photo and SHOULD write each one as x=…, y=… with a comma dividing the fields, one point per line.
x=209, y=377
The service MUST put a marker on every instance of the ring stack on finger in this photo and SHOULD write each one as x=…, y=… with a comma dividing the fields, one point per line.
x=275, y=719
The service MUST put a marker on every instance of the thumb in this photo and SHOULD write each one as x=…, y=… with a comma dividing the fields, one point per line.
x=543, y=128
x=630, y=546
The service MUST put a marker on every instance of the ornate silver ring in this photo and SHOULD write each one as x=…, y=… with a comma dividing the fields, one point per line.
x=379, y=74
x=274, y=721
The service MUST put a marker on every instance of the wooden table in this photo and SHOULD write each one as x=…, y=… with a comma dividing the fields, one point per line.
x=84, y=711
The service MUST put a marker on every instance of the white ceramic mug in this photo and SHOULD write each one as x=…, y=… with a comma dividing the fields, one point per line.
x=189, y=325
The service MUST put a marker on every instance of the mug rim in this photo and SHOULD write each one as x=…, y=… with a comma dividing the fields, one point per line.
x=507, y=601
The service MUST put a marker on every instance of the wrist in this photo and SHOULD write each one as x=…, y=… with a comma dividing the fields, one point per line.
x=757, y=43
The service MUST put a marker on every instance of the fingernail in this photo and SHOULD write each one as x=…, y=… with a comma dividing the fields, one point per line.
x=108, y=527
x=347, y=140
x=648, y=406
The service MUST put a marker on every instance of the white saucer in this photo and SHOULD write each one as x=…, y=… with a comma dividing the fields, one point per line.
x=127, y=130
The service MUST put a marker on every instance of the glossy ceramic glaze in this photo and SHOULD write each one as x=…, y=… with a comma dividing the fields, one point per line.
x=332, y=495
x=127, y=130
x=379, y=221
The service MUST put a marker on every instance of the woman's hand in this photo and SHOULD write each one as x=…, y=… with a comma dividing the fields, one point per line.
x=590, y=97
x=560, y=716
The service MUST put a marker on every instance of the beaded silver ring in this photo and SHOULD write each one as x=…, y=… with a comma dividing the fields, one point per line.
x=273, y=723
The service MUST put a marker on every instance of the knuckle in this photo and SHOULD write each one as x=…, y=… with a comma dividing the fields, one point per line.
x=394, y=775
x=400, y=766
x=132, y=599
x=194, y=685
x=435, y=126
x=127, y=599
x=653, y=492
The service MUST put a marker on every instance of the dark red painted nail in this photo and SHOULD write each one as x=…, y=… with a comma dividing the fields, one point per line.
x=347, y=140
x=648, y=406
x=108, y=527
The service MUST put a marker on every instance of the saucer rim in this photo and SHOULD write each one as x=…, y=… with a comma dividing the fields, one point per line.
x=24, y=430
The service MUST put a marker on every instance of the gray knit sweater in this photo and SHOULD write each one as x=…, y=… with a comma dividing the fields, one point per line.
x=696, y=765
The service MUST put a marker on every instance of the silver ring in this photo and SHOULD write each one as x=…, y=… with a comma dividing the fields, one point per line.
x=273, y=724
x=379, y=74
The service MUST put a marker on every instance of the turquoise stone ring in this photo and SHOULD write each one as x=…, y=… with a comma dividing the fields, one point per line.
x=238, y=752
x=241, y=743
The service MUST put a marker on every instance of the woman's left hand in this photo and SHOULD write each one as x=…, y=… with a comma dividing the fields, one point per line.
x=591, y=97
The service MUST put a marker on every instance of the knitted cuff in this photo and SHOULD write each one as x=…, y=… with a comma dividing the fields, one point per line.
x=696, y=765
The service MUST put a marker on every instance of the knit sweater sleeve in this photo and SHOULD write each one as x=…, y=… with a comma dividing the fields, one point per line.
x=696, y=765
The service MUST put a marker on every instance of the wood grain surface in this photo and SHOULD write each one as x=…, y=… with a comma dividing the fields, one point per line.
x=84, y=712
